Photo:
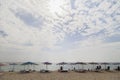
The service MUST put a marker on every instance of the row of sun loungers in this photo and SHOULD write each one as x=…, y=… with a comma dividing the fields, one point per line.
x=44, y=71
x=63, y=70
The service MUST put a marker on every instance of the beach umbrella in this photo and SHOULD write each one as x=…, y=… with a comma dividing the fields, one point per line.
x=28, y=63
x=81, y=63
x=1, y=64
x=116, y=63
x=13, y=64
x=47, y=63
x=93, y=63
x=72, y=65
x=105, y=64
x=62, y=63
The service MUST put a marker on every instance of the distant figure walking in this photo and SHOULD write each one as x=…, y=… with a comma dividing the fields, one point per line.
x=61, y=68
x=118, y=68
x=98, y=67
x=108, y=68
x=74, y=69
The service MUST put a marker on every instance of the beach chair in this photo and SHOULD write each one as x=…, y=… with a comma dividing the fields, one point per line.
x=63, y=70
x=25, y=71
x=44, y=71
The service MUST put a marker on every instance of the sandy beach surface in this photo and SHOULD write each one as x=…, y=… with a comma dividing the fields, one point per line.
x=60, y=76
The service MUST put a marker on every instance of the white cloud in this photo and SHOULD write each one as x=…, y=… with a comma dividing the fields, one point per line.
x=38, y=24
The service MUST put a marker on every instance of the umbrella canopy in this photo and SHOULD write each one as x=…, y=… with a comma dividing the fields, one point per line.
x=62, y=63
x=29, y=63
x=13, y=64
x=117, y=63
x=105, y=63
x=80, y=63
x=94, y=63
x=47, y=63
x=72, y=63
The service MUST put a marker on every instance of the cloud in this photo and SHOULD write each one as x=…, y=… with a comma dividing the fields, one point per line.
x=39, y=25
x=87, y=22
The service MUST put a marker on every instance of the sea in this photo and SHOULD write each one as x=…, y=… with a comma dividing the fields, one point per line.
x=52, y=67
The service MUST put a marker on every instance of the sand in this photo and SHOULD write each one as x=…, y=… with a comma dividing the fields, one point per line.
x=61, y=76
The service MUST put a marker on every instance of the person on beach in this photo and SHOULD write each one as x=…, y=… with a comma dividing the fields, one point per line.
x=108, y=68
x=61, y=68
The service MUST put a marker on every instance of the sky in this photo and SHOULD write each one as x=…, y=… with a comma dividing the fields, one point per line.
x=60, y=30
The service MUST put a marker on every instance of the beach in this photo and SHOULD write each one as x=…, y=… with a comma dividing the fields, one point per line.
x=60, y=76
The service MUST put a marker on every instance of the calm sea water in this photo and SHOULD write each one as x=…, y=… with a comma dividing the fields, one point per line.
x=52, y=67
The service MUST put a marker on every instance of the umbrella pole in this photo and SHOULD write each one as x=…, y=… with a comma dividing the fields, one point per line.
x=93, y=67
x=105, y=66
x=62, y=66
x=33, y=67
x=13, y=68
x=46, y=67
x=0, y=68
x=78, y=66
x=72, y=67
x=82, y=67
x=24, y=67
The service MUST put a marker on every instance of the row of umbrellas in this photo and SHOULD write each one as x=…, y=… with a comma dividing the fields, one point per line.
x=61, y=63
x=25, y=64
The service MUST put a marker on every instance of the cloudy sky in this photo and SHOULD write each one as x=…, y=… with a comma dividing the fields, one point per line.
x=60, y=30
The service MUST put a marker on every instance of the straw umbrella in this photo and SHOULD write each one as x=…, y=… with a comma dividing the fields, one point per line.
x=13, y=64
x=47, y=63
x=62, y=63
x=105, y=64
x=28, y=63
x=72, y=65
x=93, y=63
x=117, y=63
x=81, y=63
x=1, y=64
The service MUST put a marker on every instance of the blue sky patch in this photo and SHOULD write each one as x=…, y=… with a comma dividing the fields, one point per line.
x=29, y=19
x=72, y=4
x=3, y=34
x=91, y=4
x=114, y=38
